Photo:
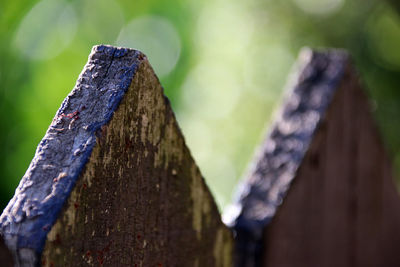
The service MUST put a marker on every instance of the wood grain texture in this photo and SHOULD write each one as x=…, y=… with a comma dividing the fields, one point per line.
x=139, y=199
x=65, y=149
x=320, y=191
x=343, y=207
x=275, y=166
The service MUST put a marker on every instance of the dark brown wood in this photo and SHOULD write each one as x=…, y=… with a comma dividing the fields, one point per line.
x=6, y=259
x=321, y=189
x=342, y=208
x=278, y=159
x=113, y=183
x=141, y=200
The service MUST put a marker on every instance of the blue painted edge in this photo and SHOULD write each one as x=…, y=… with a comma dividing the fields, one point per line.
x=253, y=207
x=45, y=213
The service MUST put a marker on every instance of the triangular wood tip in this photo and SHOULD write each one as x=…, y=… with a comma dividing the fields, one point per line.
x=112, y=182
x=320, y=189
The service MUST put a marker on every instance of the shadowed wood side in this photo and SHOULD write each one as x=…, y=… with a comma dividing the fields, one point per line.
x=342, y=208
x=313, y=85
x=6, y=259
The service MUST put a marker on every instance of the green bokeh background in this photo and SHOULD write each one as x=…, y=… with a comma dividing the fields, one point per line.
x=223, y=65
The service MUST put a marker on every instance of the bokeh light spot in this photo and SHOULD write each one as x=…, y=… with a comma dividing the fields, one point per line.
x=211, y=91
x=157, y=38
x=100, y=21
x=227, y=28
x=46, y=30
x=265, y=69
x=319, y=7
x=384, y=37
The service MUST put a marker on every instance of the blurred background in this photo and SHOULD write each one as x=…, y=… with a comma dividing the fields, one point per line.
x=223, y=65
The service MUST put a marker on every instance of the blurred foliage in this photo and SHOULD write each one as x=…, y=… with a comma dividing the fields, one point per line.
x=223, y=65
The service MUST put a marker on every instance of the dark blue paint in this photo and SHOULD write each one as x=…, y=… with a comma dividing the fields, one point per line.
x=44, y=214
x=322, y=74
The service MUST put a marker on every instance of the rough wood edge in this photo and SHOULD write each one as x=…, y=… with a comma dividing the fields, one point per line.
x=78, y=127
x=65, y=149
x=140, y=181
x=277, y=160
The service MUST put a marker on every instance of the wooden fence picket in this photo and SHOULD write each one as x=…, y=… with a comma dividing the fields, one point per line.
x=321, y=192
x=112, y=182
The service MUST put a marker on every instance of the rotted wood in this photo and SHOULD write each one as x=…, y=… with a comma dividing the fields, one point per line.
x=321, y=192
x=112, y=182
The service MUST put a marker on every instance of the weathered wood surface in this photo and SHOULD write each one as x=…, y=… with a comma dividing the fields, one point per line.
x=112, y=182
x=325, y=162
x=343, y=208
x=279, y=157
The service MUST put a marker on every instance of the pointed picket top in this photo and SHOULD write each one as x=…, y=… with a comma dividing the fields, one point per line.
x=112, y=181
x=278, y=158
x=321, y=188
x=311, y=89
